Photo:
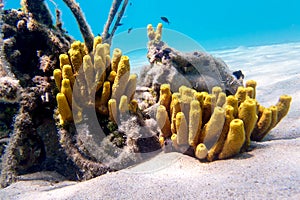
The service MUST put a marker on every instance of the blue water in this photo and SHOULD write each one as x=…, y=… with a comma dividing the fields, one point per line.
x=215, y=24
x=194, y=25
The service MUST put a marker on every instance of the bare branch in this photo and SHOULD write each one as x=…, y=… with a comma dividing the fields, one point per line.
x=83, y=25
x=113, y=11
x=120, y=15
x=39, y=11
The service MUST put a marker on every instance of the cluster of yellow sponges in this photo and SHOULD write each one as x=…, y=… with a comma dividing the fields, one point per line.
x=216, y=126
x=94, y=80
x=154, y=35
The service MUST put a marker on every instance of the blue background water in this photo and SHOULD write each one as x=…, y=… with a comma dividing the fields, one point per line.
x=215, y=24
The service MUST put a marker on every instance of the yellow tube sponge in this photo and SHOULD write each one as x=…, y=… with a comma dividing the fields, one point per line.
x=283, y=106
x=182, y=129
x=107, y=62
x=186, y=96
x=158, y=32
x=89, y=74
x=208, y=107
x=123, y=106
x=133, y=106
x=263, y=124
x=113, y=112
x=221, y=100
x=117, y=54
x=102, y=107
x=76, y=54
x=99, y=68
x=67, y=91
x=63, y=108
x=57, y=74
x=247, y=113
x=195, y=123
x=121, y=79
x=274, y=121
x=200, y=97
x=163, y=121
x=131, y=87
x=111, y=77
x=103, y=50
x=201, y=151
x=63, y=60
x=233, y=101
x=216, y=91
x=67, y=73
x=150, y=32
x=235, y=139
x=97, y=40
x=241, y=94
x=176, y=108
x=252, y=83
x=101, y=59
x=176, y=96
x=213, y=129
x=165, y=96
x=250, y=92
x=217, y=148
x=174, y=141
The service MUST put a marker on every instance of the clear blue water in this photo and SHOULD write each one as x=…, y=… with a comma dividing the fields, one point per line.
x=215, y=24
x=194, y=25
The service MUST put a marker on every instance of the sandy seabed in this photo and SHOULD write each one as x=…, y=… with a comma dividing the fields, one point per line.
x=271, y=170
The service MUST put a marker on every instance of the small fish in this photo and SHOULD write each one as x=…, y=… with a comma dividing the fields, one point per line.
x=130, y=4
x=165, y=20
x=129, y=30
x=119, y=24
x=238, y=74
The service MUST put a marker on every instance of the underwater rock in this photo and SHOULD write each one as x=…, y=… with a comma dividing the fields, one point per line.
x=197, y=70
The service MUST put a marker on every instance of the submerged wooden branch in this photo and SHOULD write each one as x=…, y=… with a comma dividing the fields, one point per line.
x=39, y=11
x=83, y=25
x=120, y=15
x=113, y=11
x=107, y=37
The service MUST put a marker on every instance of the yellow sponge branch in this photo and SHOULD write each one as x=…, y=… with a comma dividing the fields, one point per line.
x=201, y=151
x=283, y=106
x=121, y=79
x=212, y=130
x=117, y=54
x=235, y=139
x=57, y=74
x=195, y=123
x=252, y=83
x=182, y=129
x=247, y=113
x=163, y=121
x=63, y=108
x=262, y=125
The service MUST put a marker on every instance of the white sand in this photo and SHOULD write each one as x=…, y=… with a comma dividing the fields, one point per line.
x=270, y=171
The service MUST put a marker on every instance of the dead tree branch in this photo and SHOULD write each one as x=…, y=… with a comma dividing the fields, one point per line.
x=83, y=25
x=107, y=37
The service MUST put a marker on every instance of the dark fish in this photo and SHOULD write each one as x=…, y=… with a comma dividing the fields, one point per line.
x=119, y=24
x=165, y=20
x=128, y=31
x=238, y=74
x=130, y=4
